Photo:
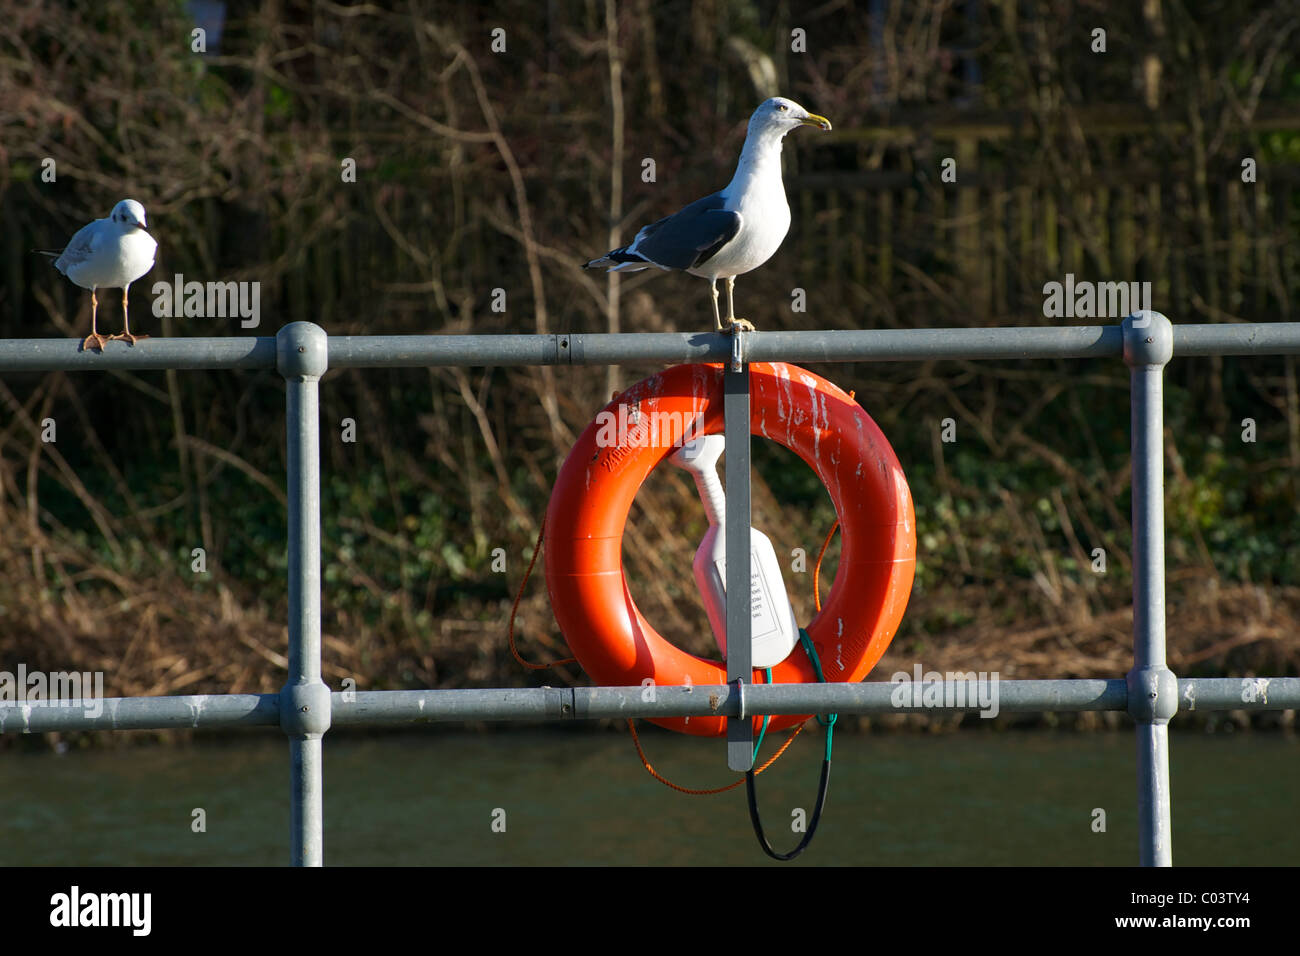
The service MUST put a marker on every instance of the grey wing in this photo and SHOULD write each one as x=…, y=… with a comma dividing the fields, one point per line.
x=689, y=237
x=79, y=248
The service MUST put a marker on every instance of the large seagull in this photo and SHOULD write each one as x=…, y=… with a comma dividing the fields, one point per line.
x=734, y=230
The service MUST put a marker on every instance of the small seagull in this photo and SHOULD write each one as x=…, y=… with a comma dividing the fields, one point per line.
x=732, y=231
x=109, y=253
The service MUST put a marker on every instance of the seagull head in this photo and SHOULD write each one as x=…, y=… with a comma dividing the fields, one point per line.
x=781, y=115
x=129, y=214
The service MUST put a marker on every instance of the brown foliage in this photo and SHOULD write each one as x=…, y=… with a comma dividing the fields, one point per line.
x=478, y=171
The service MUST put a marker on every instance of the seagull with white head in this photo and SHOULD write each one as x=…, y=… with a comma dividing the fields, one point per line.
x=111, y=254
x=734, y=230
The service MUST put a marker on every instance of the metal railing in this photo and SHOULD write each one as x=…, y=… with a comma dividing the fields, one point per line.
x=306, y=708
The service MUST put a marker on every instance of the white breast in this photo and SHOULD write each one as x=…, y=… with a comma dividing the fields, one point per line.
x=765, y=220
x=117, y=261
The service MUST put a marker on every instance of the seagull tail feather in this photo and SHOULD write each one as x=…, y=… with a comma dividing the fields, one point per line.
x=619, y=260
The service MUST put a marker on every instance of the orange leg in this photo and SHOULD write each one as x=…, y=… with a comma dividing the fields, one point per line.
x=126, y=322
x=94, y=338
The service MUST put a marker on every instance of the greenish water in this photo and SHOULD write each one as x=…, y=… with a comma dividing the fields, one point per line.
x=897, y=799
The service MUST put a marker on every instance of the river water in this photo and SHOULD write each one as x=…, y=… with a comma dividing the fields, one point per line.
x=571, y=796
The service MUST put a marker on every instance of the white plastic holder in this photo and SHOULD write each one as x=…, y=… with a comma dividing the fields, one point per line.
x=774, y=629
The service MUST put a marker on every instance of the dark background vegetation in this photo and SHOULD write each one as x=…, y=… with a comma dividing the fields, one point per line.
x=478, y=171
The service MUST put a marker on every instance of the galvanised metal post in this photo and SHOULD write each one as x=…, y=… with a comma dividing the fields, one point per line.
x=302, y=355
x=735, y=407
x=1152, y=686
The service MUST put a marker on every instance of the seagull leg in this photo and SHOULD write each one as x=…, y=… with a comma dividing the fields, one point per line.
x=126, y=323
x=94, y=336
x=734, y=323
x=717, y=319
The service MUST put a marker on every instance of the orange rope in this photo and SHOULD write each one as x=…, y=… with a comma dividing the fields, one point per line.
x=537, y=549
x=731, y=786
x=817, y=569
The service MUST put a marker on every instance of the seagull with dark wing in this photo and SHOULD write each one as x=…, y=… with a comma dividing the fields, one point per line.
x=109, y=253
x=732, y=231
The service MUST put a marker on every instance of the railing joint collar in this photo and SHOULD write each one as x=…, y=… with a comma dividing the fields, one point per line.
x=1148, y=339
x=302, y=351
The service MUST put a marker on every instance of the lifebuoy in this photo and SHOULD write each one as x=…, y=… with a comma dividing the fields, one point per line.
x=810, y=416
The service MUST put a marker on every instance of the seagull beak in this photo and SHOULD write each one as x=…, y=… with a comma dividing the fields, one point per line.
x=812, y=119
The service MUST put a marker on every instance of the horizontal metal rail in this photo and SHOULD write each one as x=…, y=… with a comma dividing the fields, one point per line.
x=393, y=708
x=857, y=345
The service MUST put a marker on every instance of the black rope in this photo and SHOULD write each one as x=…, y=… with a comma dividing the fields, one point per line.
x=829, y=724
x=755, y=819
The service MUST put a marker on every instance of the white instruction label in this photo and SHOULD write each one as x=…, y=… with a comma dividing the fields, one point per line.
x=762, y=615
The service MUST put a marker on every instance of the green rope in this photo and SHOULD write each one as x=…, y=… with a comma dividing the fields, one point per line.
x=766, y=717
x=829, y=721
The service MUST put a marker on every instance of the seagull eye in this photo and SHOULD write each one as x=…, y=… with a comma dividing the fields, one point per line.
x=782, y=107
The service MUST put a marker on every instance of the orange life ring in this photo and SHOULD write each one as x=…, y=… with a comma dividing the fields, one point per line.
x=810, y=416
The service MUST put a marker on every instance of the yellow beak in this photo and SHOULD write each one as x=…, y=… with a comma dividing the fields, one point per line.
x=812, y=119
